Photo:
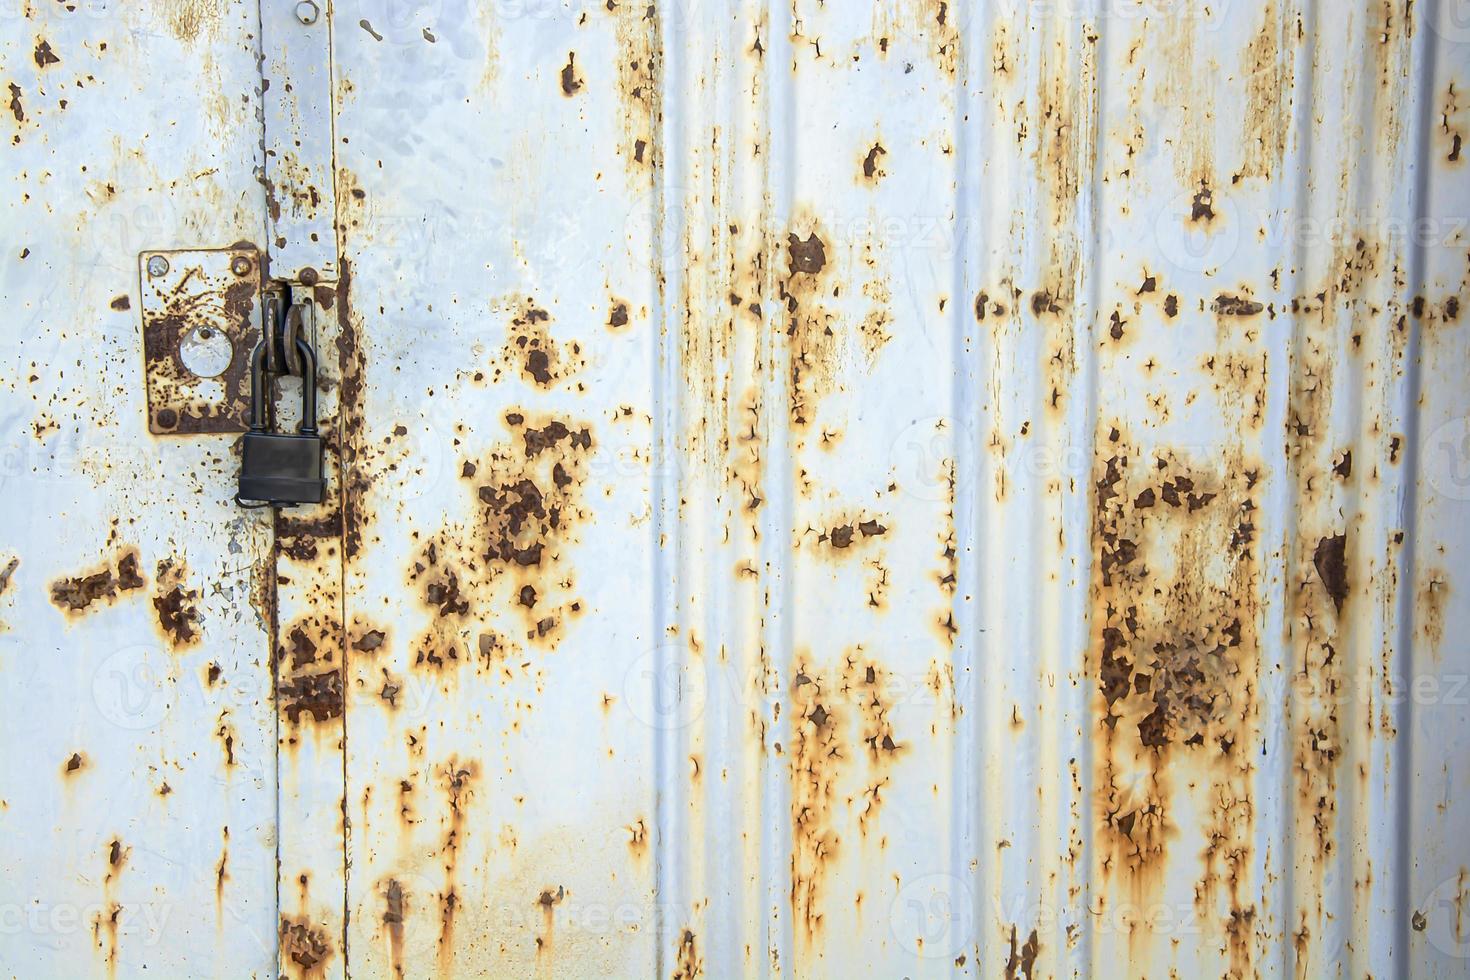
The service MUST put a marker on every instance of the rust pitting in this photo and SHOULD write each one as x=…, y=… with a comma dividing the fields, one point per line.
x=306, y=945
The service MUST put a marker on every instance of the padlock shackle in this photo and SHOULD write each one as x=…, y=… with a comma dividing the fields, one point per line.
x=258, y=421
x=308, y=387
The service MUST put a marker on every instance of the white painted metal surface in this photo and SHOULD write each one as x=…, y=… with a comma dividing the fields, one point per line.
x=909, y=489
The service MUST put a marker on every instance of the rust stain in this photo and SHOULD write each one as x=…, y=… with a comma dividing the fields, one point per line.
x=316, y=695
x=78, y=594
x=1452, y=120
x=816, y=755
x=458, y=778
x=547, y=901
x=107, y=920
x=192, y=19
x=842, y=749
x=688, y=964
x=393, y=918
x=1433, y=596
x=176, y=605
x=1330, y=560
x=1021, y=962
x=200, y=296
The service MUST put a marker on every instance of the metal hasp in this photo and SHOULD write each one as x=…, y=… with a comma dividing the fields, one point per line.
x=297, y=98
x=281, y=469
x=201, y=317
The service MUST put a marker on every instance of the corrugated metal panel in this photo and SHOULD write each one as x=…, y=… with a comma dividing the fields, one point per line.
x=919, y=489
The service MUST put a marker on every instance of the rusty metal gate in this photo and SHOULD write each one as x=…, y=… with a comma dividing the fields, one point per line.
x=905, y=488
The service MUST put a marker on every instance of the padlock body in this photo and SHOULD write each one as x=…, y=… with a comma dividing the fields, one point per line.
x=281, y=468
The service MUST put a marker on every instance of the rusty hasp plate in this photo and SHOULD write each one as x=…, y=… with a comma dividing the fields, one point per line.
x=201, y=319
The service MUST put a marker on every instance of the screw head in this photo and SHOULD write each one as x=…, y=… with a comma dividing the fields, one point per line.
x=307, y=12
x=157, y=266
x=240, y=266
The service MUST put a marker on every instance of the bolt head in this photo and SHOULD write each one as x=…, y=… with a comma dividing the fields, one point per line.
x=240, y=266
x=307, y=12
x=157, y=266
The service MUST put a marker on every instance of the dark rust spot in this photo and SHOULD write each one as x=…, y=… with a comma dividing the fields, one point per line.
x=369, y=641
x=318, y=695
x=45, y=56
x=870, y=162
x=809, y=256
x=570, y=83
x=1227, y=305
x=1330, y=559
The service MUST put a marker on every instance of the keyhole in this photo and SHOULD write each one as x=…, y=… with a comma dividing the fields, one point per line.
x=206, y=352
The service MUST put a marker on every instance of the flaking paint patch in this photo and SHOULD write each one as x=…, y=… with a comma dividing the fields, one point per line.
x=306, y=948
x=842, y=749
x=639, y=88
x=175, y=604
x=79, y=594
x=1175, y=657
x=533, y=353
x=1267, y=67
x=503, y=582
x=811, y=327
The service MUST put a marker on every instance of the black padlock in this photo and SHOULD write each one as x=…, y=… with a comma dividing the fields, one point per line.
x=280, y=469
